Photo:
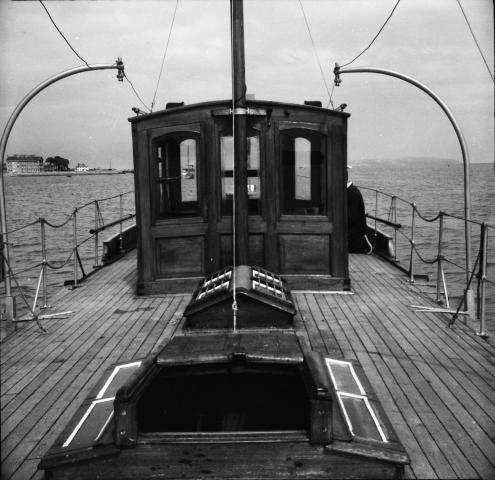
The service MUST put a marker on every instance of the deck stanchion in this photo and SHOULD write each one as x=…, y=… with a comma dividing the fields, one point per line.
x=440, y=274
x=121, y=215
x=411, y=262
x=394, y=207
x=482, y=279
x=74, y=225
x=376, y=216
x=44, y=263
x=96, y=264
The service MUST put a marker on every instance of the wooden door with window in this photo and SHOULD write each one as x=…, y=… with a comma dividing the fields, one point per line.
x=179, y=224
x=304, y=222
x=255, y=189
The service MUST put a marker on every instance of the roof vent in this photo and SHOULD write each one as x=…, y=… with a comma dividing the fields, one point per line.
x=174, y=105
x=312, y=103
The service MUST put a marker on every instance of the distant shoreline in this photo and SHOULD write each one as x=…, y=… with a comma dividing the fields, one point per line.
x=71, y=173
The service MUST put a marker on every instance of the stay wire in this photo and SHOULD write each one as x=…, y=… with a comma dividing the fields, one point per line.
x=62, y=35
x=316, y=53
x=375, y=37
x=164, y=54
x=476, y=41
x=136, y=93
x=79, y=56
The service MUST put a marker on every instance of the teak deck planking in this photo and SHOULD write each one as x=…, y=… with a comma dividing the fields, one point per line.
x=436, y=383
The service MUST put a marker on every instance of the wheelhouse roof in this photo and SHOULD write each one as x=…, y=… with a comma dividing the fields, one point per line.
x=250, y=103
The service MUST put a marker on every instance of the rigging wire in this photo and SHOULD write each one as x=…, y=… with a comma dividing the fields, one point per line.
x=79, y=56
x=476, y=41
x=316, y=54
x=375, y=37
x=136, y=93
x=62, y=35
x=164, y=54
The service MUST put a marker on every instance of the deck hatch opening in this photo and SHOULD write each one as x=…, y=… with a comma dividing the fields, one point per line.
x=225, y=398
x=359, y=414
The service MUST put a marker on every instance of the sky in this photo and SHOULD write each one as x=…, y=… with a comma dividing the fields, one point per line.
x=85, y=117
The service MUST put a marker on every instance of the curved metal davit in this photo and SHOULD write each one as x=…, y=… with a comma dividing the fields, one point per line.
x=465, y=156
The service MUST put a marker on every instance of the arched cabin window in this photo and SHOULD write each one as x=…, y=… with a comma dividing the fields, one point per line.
x=177, y=176
x=253, y=165
x=303, y=173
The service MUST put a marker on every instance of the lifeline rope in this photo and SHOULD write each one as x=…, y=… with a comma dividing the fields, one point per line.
x=234, y=302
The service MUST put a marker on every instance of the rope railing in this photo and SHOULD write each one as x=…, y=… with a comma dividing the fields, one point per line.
x=74, y=255
x=477, y=271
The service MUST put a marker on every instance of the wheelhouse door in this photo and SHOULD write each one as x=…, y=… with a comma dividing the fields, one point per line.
x=179, y=223
x=255, y=188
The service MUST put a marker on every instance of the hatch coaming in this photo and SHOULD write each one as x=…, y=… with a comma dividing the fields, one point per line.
x=255, y=391
x=295, y=222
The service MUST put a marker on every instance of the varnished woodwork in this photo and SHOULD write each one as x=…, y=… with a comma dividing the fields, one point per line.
x=264, y=242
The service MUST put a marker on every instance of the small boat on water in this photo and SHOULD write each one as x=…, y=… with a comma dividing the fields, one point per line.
x=266, y=370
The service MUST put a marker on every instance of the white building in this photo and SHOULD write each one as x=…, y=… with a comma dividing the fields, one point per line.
x=82, y=167
x=17, y=164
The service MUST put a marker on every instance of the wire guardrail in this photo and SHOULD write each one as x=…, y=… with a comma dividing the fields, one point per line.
x=74, y=256
x=479, y=270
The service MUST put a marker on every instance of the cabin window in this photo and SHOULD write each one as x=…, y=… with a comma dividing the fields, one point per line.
x=177, y=177
x=253, y=165
x=303, y=173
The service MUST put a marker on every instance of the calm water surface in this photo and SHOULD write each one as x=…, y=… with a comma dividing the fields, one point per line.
x=432, y=187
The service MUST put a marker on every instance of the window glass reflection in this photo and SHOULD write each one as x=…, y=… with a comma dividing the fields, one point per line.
x=177, y=177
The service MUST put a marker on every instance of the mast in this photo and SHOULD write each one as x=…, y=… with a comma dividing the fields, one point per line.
x=240, y=230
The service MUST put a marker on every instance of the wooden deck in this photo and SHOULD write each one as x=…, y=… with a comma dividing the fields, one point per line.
x=436, y=383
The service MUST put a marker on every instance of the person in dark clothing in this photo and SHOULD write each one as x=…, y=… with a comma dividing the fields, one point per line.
x=356, y=221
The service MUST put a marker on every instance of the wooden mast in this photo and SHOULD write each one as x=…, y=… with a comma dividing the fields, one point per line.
x=240, y=146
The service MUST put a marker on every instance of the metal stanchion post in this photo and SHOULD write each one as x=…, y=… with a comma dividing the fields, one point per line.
x=411, y=262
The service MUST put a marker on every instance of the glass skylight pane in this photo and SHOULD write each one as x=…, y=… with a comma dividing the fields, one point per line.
x=360, y=415
x=117, y=378
x=91, y=424
x=344, y=377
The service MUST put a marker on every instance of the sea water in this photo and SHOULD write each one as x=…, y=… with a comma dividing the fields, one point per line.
x=432, y=186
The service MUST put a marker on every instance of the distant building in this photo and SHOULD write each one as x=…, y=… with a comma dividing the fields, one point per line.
x=81, y=167
x=17, y=164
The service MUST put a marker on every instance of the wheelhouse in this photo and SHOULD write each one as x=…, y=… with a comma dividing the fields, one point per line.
x=185, y=194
